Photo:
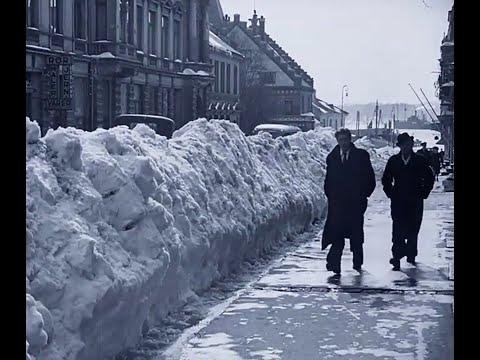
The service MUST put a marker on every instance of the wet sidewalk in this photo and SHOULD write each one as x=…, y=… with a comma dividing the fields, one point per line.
x=298, y=310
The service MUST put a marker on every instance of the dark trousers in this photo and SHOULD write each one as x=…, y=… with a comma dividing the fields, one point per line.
x=334, y=256
x=407, y=219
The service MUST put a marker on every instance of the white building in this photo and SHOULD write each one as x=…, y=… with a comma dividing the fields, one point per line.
x=328, y=114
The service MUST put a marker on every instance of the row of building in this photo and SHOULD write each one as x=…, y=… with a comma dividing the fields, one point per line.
x=88, y=61
x=445, y=86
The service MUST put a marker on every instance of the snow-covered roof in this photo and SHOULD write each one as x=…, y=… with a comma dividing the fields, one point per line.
x=308, y=114
x=221, y=45
x=321, y=109
x=327, y=107
x=190, y=72
x=105, y=55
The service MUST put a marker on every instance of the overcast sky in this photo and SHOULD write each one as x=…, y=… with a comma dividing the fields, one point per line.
x=376, y=47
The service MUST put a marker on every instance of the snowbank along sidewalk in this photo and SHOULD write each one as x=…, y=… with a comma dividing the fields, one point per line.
x=124, y=225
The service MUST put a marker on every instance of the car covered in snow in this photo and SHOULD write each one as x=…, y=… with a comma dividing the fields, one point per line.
x=276, y=130
x=162, y=125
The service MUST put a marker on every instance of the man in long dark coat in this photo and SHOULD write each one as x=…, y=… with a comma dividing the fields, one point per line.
x=407, y=181
x=349, y=181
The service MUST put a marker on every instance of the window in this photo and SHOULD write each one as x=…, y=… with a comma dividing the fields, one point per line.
x=79, y=19
x=288, y=107
x=228, y=79
x=235, y=79
x=268, y=77
x=32, y=13
x=217, y=75
x=330, y=120
x=152, y=106
x=222, y=77
x=176, y=39
x=101, y=20
x=303, y=103
x=56, y=16
x=165, y=36
x=155, y=100
x=140, y=27
x=138, y=99
x=126, y=21
x=152, y=31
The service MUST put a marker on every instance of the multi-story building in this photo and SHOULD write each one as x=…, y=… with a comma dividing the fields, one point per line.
x=224, y=95
x=273, y=84
x=446, y=87
x=90, y=60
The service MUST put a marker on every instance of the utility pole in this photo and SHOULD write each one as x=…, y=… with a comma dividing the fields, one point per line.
x=376, y=118
x=358, y=124
x=393, y=131
x=343, y=87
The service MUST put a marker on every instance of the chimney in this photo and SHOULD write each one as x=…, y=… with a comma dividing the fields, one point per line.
x=254, y=20
x=262, y=27
x=236, y=18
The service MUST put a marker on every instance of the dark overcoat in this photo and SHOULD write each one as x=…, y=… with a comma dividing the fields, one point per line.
x=347, y=187
x=407, y=185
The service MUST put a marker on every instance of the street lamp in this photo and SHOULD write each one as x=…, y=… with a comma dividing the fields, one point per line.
x=346, y=94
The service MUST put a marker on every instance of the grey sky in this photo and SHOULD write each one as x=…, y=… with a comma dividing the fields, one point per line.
x=376, y=47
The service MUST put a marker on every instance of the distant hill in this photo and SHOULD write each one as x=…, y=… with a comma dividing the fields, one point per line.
x=367, y=112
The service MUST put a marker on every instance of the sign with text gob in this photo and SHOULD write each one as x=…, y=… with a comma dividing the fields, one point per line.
x=59, y=77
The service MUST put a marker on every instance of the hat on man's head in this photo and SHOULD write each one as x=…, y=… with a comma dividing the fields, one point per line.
x=403, y=138
x=424, y=143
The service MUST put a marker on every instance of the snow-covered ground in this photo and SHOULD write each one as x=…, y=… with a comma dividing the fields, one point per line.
x=125, y=226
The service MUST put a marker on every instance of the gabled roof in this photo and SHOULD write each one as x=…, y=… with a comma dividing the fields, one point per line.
x=217, y=43
x=326, y=108
x=274, y=51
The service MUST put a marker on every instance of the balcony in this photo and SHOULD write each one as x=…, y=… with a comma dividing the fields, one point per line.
x=199, y=66
x=81, y=45
x=57, y=40
x=152, y=61
x=122, y=50
x=33, y=35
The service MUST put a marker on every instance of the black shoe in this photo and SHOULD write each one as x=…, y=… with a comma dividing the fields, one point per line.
x=357, y=268
x=411, y=260
x=335, y=269
x=395, y=263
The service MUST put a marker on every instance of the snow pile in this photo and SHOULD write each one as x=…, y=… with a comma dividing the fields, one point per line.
x=32, y=131
x=124, y=226
x=378, y=155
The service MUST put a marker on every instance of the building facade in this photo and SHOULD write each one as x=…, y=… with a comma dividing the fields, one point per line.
x=224, y=94
x=88, y=61
x=272, y=84
x=328, y=114
x=445, y=87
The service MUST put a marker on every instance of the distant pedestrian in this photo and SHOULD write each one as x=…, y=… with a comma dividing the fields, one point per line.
x=407, y=181
x=349, y=181
x=436, y=161
x=442, y=158
x=425, y=153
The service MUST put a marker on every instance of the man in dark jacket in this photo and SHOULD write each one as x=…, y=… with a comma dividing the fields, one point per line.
x=349, y=181
x=436, y=161
x=407, y=181
x=425, y=153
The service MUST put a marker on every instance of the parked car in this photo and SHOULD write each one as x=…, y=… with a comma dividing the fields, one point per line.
x=276, y=130
x=162, y=125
